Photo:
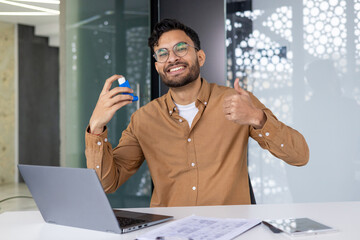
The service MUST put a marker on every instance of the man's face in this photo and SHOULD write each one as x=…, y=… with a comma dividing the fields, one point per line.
x=178, y=71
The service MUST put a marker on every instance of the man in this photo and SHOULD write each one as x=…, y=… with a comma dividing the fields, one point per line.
x=194, y=138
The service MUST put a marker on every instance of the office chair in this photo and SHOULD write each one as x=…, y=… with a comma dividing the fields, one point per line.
x=252, y=196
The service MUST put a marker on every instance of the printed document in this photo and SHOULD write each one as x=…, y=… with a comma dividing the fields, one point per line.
x=201, y=228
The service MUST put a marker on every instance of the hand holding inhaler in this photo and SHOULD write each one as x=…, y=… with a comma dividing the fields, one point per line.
x=125, y=83
x=109, y=102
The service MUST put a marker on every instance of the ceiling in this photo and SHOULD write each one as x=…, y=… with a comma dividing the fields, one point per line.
x=43, y=14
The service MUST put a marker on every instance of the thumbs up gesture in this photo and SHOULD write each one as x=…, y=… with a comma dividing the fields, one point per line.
x=240, y=109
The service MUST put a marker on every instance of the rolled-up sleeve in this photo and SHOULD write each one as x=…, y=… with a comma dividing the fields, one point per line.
x=113, y=167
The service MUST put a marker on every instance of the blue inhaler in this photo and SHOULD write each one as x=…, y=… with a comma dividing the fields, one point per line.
x=125, y=83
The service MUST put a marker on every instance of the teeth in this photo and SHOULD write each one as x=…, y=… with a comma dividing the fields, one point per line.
x=176, y=69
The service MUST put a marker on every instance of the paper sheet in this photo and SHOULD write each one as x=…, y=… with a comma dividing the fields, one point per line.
x=201, y=228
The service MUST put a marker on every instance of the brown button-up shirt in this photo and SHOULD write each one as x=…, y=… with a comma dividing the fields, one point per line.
x=202, y=165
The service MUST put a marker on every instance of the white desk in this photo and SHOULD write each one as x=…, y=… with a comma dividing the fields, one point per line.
x=343, y=216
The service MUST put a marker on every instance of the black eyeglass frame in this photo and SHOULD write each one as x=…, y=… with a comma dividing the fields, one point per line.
x=173, y=49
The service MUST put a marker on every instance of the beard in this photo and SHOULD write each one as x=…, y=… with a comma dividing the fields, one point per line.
x=180, y=81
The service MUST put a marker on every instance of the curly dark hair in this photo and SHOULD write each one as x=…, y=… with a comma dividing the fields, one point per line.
x=167, y=25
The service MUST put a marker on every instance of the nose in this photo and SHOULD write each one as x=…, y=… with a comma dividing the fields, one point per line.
x=173, y=57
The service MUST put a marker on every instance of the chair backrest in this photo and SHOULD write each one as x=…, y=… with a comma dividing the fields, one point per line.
x=252, y=196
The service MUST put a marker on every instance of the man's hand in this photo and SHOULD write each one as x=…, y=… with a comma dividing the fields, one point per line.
x=240, y=109
x=108, y=103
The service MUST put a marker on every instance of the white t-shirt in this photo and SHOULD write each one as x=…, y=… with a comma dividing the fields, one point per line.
x=188, y=112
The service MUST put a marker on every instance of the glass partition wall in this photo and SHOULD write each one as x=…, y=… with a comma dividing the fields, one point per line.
x=105, y=38
x=302, y=60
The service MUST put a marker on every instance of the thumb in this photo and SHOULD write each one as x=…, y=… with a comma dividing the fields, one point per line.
x=238, y=88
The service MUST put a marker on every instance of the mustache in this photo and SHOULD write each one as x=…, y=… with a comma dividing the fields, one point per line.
x=174, y=64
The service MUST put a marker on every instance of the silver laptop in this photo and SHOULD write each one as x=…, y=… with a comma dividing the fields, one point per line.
x=74, y=197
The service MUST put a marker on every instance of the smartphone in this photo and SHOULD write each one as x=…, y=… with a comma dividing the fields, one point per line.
x=298, y=226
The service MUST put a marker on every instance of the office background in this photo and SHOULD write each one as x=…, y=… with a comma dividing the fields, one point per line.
x=300, y=58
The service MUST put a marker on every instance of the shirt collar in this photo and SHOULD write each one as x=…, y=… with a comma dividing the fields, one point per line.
x=203, y=97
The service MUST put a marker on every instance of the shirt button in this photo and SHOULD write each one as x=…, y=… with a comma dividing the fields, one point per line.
x=97, y=166
x=180, y=120
x=193, y=164
x=260, y=135
x=194, y=188
x=267, y=134
x=170, y=112
x=105, y=139
x=99, y=143
x=282, y=145
x=205, y=103
x=189, y=139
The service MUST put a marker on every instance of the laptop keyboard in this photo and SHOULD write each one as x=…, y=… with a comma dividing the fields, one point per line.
x=124, y=221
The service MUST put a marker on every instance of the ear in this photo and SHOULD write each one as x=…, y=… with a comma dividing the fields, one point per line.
x=156, y=66
x=201, y=57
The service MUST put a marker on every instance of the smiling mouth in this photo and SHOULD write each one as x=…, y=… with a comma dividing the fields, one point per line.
x=176, y=69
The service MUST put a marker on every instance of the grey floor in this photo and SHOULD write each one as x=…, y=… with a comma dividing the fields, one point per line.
x=17, y=204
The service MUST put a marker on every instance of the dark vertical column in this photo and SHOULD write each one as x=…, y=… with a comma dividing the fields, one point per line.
x=207, y=18
x=237, y=35
x=39, y=138
x=155, y=80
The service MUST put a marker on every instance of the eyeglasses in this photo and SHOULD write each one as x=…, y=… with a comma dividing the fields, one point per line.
x=180, y=49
